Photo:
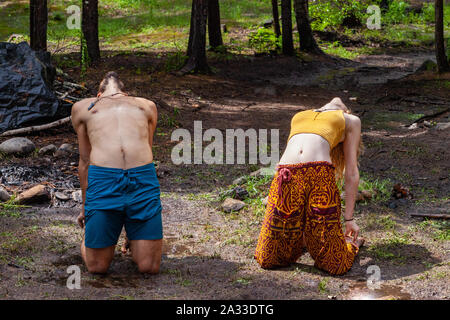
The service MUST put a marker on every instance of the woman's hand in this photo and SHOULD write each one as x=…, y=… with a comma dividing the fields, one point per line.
x=80, y=219
x=351, y=230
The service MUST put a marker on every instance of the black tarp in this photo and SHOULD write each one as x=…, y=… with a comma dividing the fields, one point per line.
x=26, y=78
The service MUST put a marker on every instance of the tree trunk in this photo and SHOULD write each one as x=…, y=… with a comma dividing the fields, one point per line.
x=197, y=39
x=276, y=18
x=38, y=25
x=89, y=26
x=214, y=32
x=441, y=57
x=191, y=30
x=286, y=20
x=307, y=41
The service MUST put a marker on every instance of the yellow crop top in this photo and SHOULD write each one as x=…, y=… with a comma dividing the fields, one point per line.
x=330, y=125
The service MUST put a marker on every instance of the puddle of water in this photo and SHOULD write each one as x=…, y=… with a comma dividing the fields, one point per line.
x=360, y=291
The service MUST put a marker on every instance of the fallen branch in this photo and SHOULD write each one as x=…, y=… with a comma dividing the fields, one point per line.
x=162, y=104
x=430, y=116
x=431, y=215
x=70, y=85
x=433, y=101
x=36, y=128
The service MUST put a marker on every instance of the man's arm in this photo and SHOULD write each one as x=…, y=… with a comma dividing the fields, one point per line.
x=152, y=121
x=84, y=148
x=351, y=176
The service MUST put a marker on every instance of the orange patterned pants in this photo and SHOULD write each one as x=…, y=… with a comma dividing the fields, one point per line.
x=304, y=208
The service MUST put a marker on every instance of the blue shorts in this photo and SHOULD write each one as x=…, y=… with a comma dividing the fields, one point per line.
x=117, y=197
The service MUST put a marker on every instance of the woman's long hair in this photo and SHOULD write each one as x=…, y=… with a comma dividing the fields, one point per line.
x=338, y=159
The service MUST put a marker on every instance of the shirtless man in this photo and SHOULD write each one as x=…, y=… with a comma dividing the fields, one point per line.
x=117, y=177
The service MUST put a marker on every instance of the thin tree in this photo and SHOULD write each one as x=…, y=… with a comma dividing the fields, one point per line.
x=38, y=24
x=191, y=30
x=276, y=18
x=197, y=39
x=307, y=41
x=441, y=57
x=286, y=20
x=214, y=32
x=89, y=26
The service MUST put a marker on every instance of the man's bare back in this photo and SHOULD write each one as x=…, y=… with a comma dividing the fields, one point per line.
x=119, y=130
x=115, y=138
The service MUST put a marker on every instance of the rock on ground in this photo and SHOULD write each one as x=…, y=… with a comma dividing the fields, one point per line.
x=62, y=196
x=239, y=180
x=263, y=172
x=265, y=200
x=18, y=145
x=64, y=150
x=50, y=149
x=231, y=204
x=35, y=194
x=4, y=195
x=77, y=196
x=442, y=126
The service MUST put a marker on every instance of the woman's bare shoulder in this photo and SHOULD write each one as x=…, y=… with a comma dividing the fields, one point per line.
x=351, y=120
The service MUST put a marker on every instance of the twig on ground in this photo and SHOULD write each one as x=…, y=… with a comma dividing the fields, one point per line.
x=430, y=116
x=36, y=128
x=430, y=215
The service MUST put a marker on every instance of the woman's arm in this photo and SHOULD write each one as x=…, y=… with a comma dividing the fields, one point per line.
x=351, y=176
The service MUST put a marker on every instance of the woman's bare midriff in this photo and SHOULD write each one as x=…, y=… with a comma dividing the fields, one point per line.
x=306, y=147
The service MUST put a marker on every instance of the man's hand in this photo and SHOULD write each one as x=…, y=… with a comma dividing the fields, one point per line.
x=351, y=230
x=80, y=219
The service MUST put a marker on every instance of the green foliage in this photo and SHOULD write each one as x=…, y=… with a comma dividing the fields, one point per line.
x=10, y=208
x=428, y=14
x=396, y=12
x=175, y=61
x=381, y=188
x=440, y=229
x=322, y=286
x=264, y=40
x=330, y=14
x=337, y=49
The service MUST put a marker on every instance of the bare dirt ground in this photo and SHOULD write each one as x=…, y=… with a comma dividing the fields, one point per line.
x=208, y=254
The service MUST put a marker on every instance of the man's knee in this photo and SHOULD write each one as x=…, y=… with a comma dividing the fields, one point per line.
x=97, y=267
x=148, y=266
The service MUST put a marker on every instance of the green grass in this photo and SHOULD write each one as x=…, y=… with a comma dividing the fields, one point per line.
x=10, y=208
x=380, y=188
x=322, y=286
x=388, y=248
x=243, y=281
x=439, y=230
x=387, y=120
x=14, y=244
x=337, y=49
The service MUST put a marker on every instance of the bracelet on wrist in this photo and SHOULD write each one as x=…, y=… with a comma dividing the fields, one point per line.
x=348, y=220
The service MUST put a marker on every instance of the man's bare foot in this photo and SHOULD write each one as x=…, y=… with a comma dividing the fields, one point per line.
x=125, y=246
